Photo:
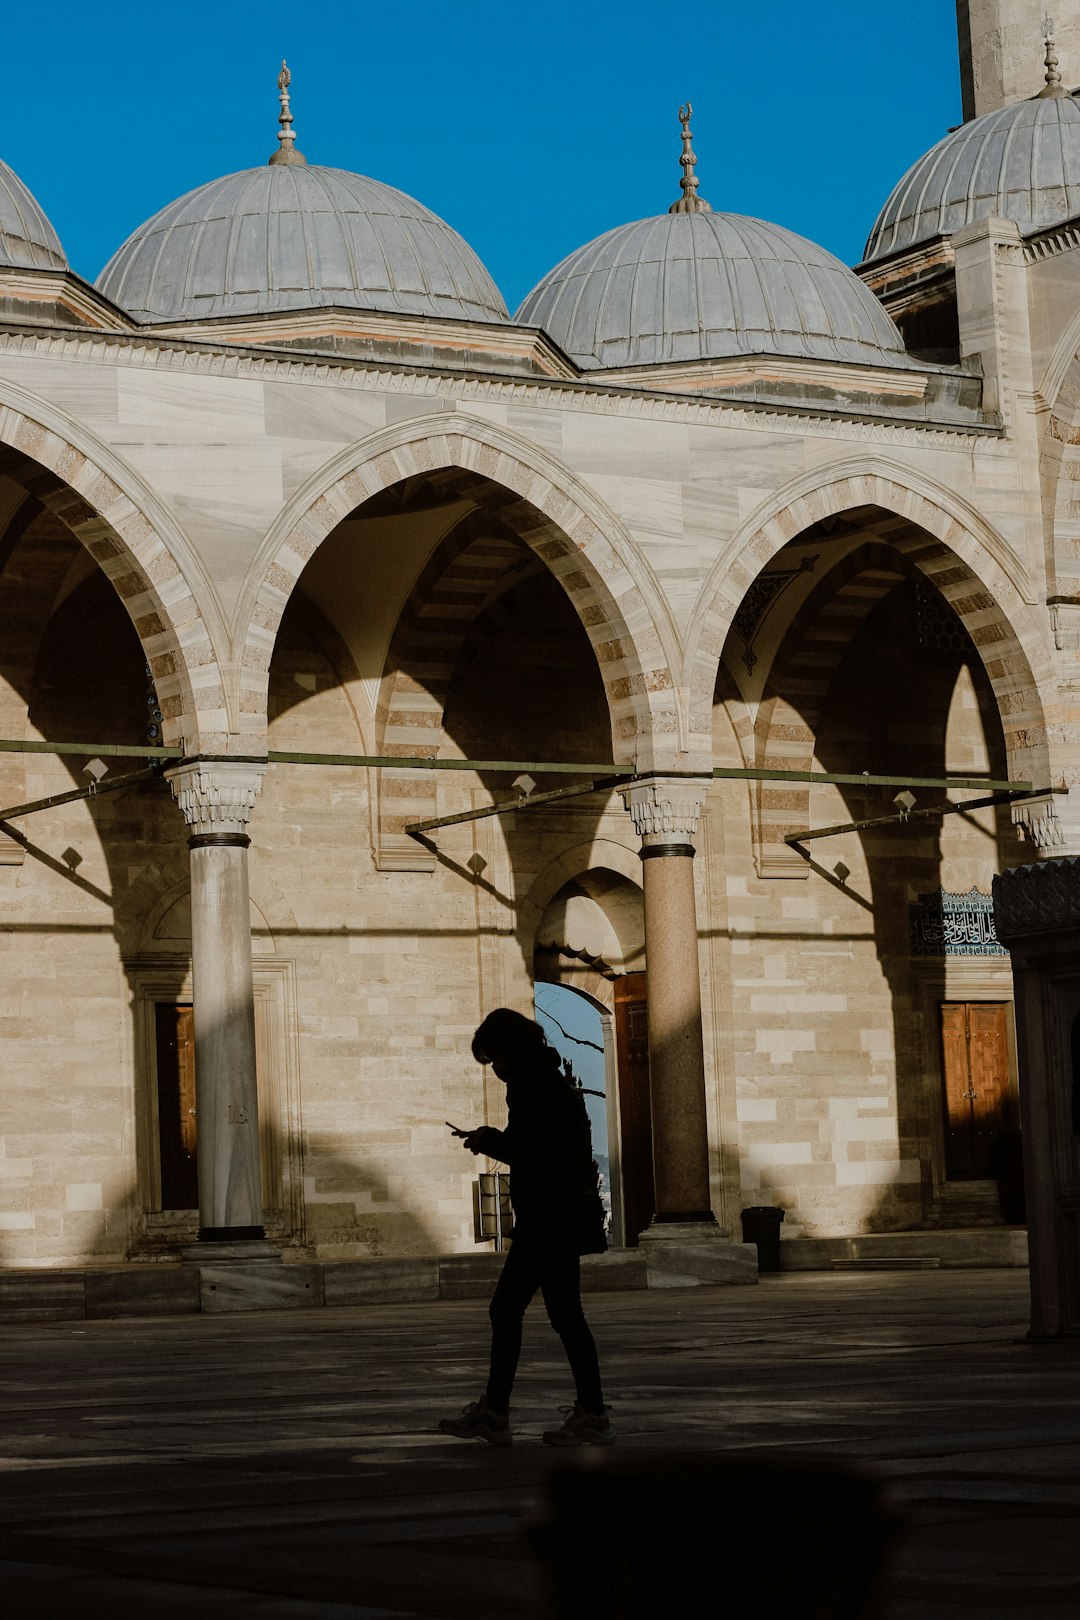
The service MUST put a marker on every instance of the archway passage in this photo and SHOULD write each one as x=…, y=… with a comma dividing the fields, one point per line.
x=455, y=639
x=785, y=644
x=576, y=1026
x=422, y=626
x=425, y=467
x=862, y=666
x=590, y=940
x=72, y=669
x=41, y=473
x=966, y=565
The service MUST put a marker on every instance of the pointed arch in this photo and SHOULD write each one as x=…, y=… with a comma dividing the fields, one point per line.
x=577, y=537
x=940, y=537
x=141, y=549
x=1059, y=466
x=599, y=854
x=475, y=562
x=789, y=715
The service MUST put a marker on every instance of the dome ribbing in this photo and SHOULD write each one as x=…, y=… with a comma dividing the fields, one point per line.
x=27, y=240
x=290, y=237
x=707, y=286
x=1020, y=162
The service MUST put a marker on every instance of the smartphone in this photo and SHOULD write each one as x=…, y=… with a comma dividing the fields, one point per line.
x=454, y=1129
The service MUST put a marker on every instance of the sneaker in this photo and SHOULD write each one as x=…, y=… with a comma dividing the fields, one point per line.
x=479, y=1422
x=582, y=1428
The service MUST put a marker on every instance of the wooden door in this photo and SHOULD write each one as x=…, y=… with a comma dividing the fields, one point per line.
x=974, y=1041
x=177, y=1133
x=635, y=1118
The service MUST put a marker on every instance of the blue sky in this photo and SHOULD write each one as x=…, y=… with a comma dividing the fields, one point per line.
x=578, y=1037
x=530, y=128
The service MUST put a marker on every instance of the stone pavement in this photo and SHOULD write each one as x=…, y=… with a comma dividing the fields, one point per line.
x=285, y=1465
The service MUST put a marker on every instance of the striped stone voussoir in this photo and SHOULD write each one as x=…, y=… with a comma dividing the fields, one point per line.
x=955, y=560
x=812, y=648
x=146, y=575
x=523, y=500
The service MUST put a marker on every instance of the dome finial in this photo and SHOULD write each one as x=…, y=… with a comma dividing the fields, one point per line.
x=1053, y=86
x=287, y=151
x=689, y=202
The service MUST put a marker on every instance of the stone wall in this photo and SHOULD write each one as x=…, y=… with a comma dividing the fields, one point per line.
x=1001, y=50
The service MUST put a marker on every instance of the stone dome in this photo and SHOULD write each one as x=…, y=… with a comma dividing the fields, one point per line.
x=294, y=236
x=1020, y=162
x=707, y=286
x=27, y=240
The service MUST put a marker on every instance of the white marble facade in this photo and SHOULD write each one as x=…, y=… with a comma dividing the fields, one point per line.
x=338, y=530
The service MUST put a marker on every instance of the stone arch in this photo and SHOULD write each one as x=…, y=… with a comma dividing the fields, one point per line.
x=598, y=854
x=790, y=712
x=158, y=890
x=1059, y=462
x=469, y=567
x=577, y=537
x=142, y=551
x=947, y=543
x=168, y=927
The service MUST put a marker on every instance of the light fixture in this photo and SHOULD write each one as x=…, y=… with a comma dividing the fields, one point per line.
x=95, y=769
x=842, y=872
x=905, y=803
x=476, y=863
x=524, y=785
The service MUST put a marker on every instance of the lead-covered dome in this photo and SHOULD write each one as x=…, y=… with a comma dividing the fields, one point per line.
x=27, y=240
x=297, y=237
x=680, y=287
x=693, y=285
x=290, y=236
x=1020, y=162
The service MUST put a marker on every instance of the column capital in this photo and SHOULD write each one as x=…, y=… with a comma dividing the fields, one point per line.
x=1050, y=823
x=217, y=795
x=665, y=809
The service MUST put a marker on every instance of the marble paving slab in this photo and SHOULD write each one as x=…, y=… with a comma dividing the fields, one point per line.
x=288, y=1462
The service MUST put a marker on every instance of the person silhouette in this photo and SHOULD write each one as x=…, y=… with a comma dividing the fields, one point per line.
x=558, y=1217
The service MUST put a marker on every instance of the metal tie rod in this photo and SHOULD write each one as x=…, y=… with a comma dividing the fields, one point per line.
x=928, y=812
x=603, y=770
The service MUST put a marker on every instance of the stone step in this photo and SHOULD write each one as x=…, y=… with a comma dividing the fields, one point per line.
x=172, y=1289
x=948, y=1247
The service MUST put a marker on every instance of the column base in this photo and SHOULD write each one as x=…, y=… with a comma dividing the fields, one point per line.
x=695, y=1254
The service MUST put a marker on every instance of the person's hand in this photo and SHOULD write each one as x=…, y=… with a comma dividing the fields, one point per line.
x=476, y=1140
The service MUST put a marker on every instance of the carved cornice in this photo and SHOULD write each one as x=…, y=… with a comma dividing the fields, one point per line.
x=435, y=382
x=1061, y=239
x=1044, y=899
x=217, y=796
x=666, y=809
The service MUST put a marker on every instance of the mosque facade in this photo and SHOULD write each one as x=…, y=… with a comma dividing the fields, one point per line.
x=704, y=637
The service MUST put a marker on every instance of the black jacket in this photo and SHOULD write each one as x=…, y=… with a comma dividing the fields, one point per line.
x=548, y=1145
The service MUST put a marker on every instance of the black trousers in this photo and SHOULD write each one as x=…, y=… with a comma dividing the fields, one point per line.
x=557, y=1274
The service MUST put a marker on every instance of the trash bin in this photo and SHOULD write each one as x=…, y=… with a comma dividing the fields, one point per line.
x=761, y=1225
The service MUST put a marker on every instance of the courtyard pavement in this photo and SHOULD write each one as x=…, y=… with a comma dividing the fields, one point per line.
x=287, y=1464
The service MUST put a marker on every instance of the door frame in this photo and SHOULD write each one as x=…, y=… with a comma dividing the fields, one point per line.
x=618, y=1059
x=167, y=978
x=963, y=978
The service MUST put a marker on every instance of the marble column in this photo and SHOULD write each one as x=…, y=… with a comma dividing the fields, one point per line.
x=683, y=1243
x=1037, y=915
x=216, y=798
